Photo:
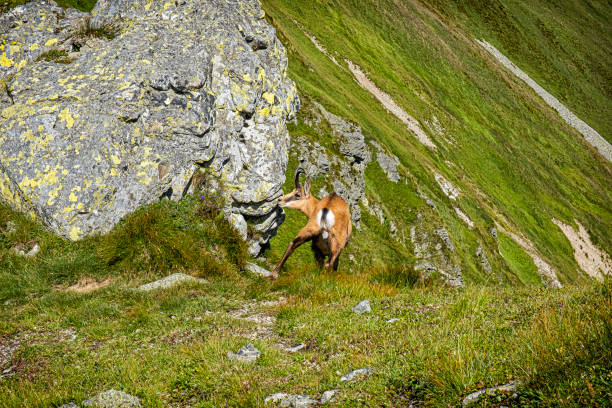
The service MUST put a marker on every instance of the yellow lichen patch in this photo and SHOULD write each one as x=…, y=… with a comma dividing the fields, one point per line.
x=34, y=47
x=51, y=42
x=247, y=77
x=21, y=64
x=268, y=97
x=75, y=233
x=115, y=159
x=73, y=198
x=4, y=61
x=264, y=112
x=66, y=117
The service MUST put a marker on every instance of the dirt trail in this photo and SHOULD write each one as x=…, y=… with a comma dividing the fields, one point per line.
x=574, y=121
x=592, y=260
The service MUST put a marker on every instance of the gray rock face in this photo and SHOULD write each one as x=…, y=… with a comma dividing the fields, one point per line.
x=169, y=281
x=113, y=399
x=353, y=375
x=246, y=354
x=362, y=307
x=387, y=162
x=184, y=85
x=431, y=258
x=344, y=173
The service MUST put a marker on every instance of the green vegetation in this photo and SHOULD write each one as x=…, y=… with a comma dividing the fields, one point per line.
x=83, y=5
x=58, y=56
x=514, y=160
x=169, y=347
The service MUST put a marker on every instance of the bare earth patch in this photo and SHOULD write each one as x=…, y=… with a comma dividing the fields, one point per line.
x=592, y=260
x=390, y=104
x=86, y=285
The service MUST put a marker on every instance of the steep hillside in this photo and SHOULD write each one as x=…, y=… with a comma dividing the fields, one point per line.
x=516, y=164
x=481, y=228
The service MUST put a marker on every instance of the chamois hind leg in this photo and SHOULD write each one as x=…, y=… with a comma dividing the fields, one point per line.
x=318, y=254
x=335, y=249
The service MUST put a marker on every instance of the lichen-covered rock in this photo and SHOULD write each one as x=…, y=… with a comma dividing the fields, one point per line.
x=113, y=399
x=184, y=85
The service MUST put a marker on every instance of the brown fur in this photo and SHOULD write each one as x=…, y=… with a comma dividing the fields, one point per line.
x=339, y=235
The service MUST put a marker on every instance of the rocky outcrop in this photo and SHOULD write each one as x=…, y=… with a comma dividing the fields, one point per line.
x=344, y=173
x=434, y=251
x=183, y=86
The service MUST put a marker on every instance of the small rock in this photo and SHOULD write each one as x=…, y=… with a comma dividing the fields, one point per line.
x=246, y=354
x=361, y=372
x=475, y=396
x=328, y=396
x=362, y=307
x=10, y=227
x=170, y=281
x=258, y=270
x=395, y=319
x=70, y=405
x=493, y=232
x=295, y=348
x=113, y=399
x=292, y=401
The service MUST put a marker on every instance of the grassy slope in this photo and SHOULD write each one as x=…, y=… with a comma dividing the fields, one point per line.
x=168, y=347
x=510, y=146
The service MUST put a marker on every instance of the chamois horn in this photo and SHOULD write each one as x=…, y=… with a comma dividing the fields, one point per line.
x=298, y=171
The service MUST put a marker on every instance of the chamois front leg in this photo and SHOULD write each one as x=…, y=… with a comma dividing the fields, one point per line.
x=306, y=234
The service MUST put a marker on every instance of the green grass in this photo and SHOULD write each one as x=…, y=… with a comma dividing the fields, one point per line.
x=58, y=56
x=168, y=347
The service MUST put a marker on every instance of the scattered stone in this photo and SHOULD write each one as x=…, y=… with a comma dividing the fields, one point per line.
x=493, y=232
x=258, y=270
x=10, y=227
x=70, y=405
x=295, y=349
x=292, y=400
x=246, y=354
x=7, y=350
x=449, y=190
x=361, y=372
x=475, y=396
x=169, y=281
x=443, y=234
x=464, y=218
x=328, y=396
x=362, y=307
x=393, y=320
x=113, y=399
x=482, y=258
x=21, y=249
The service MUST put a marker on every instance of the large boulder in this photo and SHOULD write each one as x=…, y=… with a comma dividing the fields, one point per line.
x=184, y=87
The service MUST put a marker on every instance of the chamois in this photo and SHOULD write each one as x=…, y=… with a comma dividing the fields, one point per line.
x=329, y=224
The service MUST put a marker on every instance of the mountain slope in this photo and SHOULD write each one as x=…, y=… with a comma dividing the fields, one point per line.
x=516, y=164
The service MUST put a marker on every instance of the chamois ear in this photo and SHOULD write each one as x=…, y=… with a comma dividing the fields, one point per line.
x=307, y=187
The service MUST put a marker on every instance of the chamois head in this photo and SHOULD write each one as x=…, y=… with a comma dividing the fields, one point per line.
x=299, y=196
